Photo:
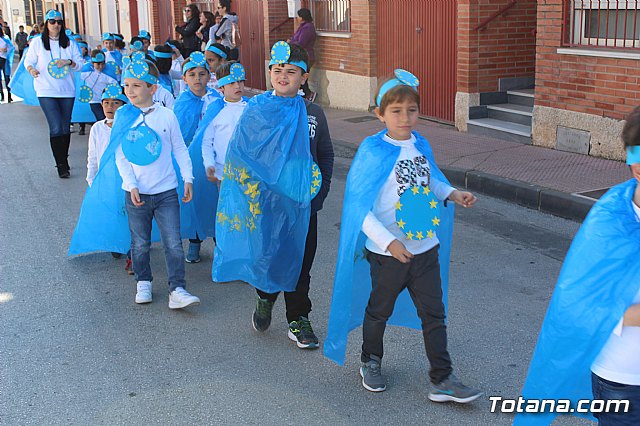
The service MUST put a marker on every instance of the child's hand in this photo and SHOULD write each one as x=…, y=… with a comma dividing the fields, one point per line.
x=211, y=174
x=463, y=198
x=62, y=63
x=135, y=198
x=188, y=192
x=34, y=72
x=399, y=251
x=635, y=169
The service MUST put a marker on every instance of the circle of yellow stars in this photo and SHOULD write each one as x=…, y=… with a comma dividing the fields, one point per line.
x=418, y=224
x=86, y=94
x=57, y=72
x=238, y=222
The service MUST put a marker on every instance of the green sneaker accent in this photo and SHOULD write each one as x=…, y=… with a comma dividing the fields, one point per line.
x=302, y=333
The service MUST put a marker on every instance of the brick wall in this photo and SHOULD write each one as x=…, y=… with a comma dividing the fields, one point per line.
x=505, y=48
x=607, y=87
x=278, y=26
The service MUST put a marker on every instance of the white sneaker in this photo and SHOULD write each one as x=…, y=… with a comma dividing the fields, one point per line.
x=181, y=298
x=144, y=292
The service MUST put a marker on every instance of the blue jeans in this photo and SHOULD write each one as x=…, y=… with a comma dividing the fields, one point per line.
x=606, y=390
x=58, y=113
x=165, y=208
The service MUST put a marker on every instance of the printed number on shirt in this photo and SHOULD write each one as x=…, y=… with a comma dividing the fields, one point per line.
x=313, y=124
x=414, y=172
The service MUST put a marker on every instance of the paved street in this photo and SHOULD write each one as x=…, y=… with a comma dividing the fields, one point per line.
x=75, y=349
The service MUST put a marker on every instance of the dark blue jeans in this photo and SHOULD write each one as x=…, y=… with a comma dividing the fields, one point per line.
x=606, y=390
x=58, y=113
x=165, y=209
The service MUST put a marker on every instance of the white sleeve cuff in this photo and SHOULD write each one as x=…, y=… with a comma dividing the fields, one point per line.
x=377, y=232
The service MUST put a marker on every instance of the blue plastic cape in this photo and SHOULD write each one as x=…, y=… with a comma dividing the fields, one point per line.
x=103, y=224
x=22, y=84
x=371, y=166
x=109, y=69
x=116, y=55
x=264, y=206
x=188, y=110
x=8, y=65
x=598, y=282
x=167, y=82
x=81, y=110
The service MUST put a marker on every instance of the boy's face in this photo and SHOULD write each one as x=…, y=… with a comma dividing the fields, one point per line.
x=146, y=43
x=85, y=51
x=212, y=59
x=197, y=78
x=98, y=66
x=233, y=91
x=400, y=118
x=286, y=79
x=139, y=92
x=110, y=106
x=108, y=44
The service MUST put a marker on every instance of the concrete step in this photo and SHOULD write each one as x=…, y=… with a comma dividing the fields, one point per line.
x=521, y=96
x=505, y=130
x=514, y=113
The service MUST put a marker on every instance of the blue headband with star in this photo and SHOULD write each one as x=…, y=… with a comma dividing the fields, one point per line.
x=98, y=58
x=145, y=34
x=281, y=53
x=137, y=46
x=53, y=14
x=217, y=51
x=236, y=73
x=164, y=55
x=633, y=154
x=196, y=59
x=114, y=91
x=138, y=67
x=402, y=77
x=107, y=37
x=118, y=37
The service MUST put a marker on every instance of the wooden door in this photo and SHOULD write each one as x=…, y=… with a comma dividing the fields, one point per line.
x=252, y=50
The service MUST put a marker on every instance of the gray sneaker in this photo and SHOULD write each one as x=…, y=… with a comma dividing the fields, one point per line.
x=452, y=389
x=372, y=378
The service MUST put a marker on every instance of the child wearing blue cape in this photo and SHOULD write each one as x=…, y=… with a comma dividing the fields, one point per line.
x=190, y=108
x=164, y=61
x=150, y=139
x=95, y=80
x=109, y=50
x=391, y=204
x=589, y=343
x=279, y=158
x=216, y=55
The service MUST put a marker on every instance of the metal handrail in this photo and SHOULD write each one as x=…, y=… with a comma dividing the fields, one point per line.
x=279, y=25
x=501, y=11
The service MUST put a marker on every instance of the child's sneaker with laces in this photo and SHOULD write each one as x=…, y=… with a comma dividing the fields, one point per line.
x=371, y=373
x=143, y=294
x=452, y=389
x=193, y=254
x=181, y=298
x=302, y=333
x=261, y=318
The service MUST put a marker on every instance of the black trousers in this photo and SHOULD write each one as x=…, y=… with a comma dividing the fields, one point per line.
x=421, y=277
x=297, y=302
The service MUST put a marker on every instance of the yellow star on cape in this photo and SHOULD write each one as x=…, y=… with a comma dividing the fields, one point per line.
x=222, y=218
x=435, y=221
x=419, y=235
x=252, y=190
x=426, y=190
x=399, y=205
x=415, y=190
x=314, y=189
x=250, y=224
x=316, y=182
x=316, y=173
x=254, y=208
x=401, y=224
x=433, y=204
x=243, y=176
x=430, y=234
x=409, y=235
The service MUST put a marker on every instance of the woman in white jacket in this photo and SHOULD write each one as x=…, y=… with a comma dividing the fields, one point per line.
x=50, y=60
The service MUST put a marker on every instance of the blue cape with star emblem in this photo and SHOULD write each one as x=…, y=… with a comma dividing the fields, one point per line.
x=265, y=197
x=22, y=84
x=8, y=65
x=166, y=81
x=371, y=166
x=188, y=109
x=598, y=282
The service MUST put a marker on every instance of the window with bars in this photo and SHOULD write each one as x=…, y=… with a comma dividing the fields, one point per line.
x=331, y=15
x=602, y=23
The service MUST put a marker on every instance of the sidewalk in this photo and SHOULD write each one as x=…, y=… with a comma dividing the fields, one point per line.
x=561, y=183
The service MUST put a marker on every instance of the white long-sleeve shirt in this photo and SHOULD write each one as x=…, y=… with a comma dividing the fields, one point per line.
x=163, y=97
x=39, y=58
x=411, y=169
x=619, y=359
x=159, y=176
x=97, y=81
x=99, y=137
x=217, y=136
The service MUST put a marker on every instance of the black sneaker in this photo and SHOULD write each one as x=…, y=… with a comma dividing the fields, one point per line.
x=301, y=332
x=261, y=319
x=371, y=373
x=452, y=389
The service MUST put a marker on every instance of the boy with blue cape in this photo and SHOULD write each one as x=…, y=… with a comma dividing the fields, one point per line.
x=391, y=218
x=279, y=159
x=589, y=343
x=190, y=108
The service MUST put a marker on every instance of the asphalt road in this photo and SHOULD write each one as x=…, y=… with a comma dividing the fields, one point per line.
x=76, y=350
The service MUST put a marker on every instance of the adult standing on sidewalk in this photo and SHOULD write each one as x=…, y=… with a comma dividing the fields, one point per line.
x=21, y=40
x=305, y=37
x=188, y=30
x=50, y=60
x=228, y=25
x=6, y=60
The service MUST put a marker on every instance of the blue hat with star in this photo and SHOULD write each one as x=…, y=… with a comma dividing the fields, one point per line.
x=107, y=37
x=281, y=54
x=98, y=58
x=402, y=77
x=114, y=91
x=53, y=14
x=137, y=66
x=236, y=73
x=145, y=34
x=196, y=59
